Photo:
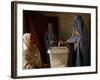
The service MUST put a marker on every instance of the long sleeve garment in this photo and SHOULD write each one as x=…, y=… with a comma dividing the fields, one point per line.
x=50, y=38
x=82, y=41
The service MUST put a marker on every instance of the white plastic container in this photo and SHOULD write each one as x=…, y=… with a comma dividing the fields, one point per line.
x=58, y=56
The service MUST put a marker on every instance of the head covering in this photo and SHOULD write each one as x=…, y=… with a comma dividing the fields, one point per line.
x=31, y=55
x=26, y=39
x=80, y=26
x=50, y=39
x=50, y=36
x=82, y=54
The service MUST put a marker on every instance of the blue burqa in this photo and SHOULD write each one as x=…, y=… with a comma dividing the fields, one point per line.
x=82, y=49
x=50, y=38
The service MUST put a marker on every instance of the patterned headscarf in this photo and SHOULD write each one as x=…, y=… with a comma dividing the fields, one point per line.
x=31, y=54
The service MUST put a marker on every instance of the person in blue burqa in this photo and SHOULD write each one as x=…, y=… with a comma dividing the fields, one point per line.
x=80, y=39
x=50, y=39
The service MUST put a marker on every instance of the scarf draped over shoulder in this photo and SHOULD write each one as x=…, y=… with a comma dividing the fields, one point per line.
x=31, y=53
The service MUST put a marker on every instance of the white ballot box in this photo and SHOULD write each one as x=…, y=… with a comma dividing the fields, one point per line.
x=58, y=56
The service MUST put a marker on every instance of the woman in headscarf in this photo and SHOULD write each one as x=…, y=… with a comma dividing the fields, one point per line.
x=80, y=39
x=31, y=54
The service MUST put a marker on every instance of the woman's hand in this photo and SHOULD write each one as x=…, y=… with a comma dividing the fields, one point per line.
x=75, y=46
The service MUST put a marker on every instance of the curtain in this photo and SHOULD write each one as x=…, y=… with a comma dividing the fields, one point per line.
x=37, y=24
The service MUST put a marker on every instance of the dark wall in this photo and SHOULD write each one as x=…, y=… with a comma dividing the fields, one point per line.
x=66, y=20
x=37, y=24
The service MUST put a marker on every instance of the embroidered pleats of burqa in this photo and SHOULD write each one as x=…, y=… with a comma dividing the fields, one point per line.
x=82, y=51
x=50, y=38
